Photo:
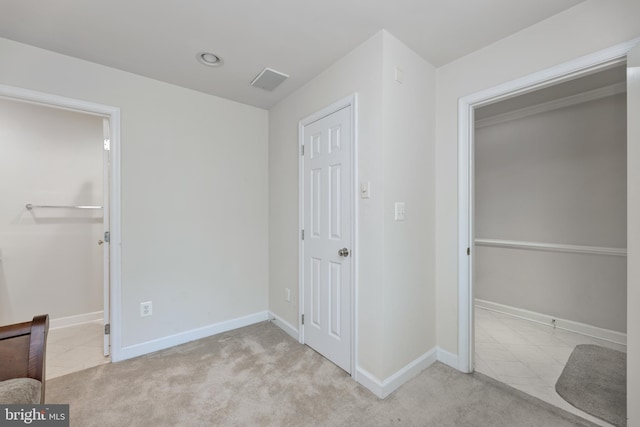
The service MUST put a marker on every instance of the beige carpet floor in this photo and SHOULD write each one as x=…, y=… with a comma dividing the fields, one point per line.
x=260, y=376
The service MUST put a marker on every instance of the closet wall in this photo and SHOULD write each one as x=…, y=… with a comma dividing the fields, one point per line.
x=556, y=177
x=50, y=261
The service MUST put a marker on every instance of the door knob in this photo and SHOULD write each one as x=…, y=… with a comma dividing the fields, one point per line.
x=100, y=242
x=343, y=252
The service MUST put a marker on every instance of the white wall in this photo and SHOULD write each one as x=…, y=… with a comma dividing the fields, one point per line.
x=583, y=29
x=555, y=177
x=409, y=176
x=194, y=192
x=359, y=72
x=50, y=261
x=396, y=322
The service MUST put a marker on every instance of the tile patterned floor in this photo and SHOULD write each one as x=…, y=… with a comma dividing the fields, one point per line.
x=527, y=355
x=74, y=348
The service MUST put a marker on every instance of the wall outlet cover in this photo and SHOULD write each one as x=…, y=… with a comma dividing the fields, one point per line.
x=146, y=309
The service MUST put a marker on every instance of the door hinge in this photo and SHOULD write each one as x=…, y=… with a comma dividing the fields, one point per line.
x=468, y=251
x=302, y=150
x=302, y=318
x=302, y=234
x=107, y=236
x=107, y=329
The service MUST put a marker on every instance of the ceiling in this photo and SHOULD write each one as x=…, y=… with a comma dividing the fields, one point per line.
x=161, y=39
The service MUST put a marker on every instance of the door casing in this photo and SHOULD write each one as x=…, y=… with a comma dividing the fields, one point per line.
x=466, y=106
x=112, y=114
x=349, y=101
x=106, y=227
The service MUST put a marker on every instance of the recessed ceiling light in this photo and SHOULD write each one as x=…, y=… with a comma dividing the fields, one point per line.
x=210, y=59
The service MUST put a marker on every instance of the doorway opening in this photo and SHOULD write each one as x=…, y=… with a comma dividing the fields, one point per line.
x=63, y=213
x=487, y=109
x=550, y=230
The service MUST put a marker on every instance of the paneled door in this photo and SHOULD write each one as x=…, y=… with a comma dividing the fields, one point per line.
x=327, y=242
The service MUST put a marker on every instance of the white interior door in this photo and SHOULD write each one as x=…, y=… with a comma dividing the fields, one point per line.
x=327, y=245
x=106, y=166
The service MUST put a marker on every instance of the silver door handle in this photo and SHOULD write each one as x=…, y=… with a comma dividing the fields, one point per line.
x=343, y=252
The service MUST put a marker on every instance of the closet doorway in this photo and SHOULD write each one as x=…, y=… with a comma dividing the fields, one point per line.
x=55, y=226
x=549, y=269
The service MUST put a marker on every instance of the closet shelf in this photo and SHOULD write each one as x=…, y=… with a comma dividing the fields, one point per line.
x=29, y=206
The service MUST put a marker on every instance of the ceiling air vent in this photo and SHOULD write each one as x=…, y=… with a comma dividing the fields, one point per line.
x=269, y=79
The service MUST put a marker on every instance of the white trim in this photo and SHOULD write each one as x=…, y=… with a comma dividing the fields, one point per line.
x=300, y=230
x=384, y=388
x=568, y=70
x=106, y=227
x=349, y=101
x=465, y=233
x=56, y=101
x=370, y=382
x=447, y=358
x=284, y=325
x=548, y=320
x=192, y=335
x=556, y=104
x=354, y=230
x=76, y=319
x=113, y=114
x=115, y=245
x=551, y=247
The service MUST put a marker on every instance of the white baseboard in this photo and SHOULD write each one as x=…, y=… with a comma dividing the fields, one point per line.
x=545, y=319
x=284, y=325
x=78, y=319
x=447, y=358
x=384, y=388
x=194, y=334
x=370, y=382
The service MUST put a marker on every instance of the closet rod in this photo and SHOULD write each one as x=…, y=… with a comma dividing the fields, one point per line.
x=29, y=206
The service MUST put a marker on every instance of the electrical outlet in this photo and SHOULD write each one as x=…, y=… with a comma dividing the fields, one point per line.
x=146, y=309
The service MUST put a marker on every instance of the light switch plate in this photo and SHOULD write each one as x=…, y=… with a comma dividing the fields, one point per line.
x=365, y=190
x=399, y=75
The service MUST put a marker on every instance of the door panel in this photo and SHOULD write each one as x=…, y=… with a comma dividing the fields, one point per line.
x=327, y=219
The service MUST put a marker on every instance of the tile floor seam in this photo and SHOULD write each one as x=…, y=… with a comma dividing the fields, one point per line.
x=74, y=348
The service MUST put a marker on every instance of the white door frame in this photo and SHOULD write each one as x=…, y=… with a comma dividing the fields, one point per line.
x=466, y=105
x=106, y=228
x=113, y=115
x=349, y=101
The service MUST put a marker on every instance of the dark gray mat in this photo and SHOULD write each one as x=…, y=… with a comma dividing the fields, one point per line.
x=595, y=381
